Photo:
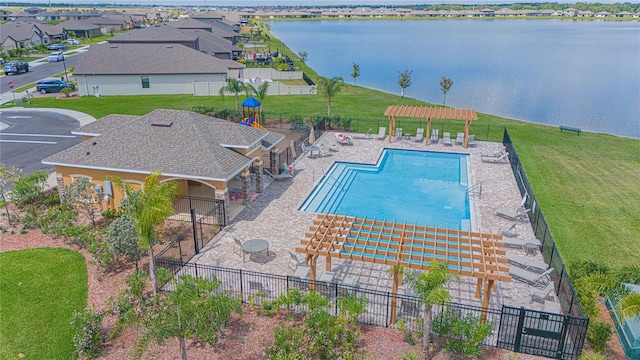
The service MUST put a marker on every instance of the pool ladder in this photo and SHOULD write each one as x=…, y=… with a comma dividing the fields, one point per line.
x=335, y=181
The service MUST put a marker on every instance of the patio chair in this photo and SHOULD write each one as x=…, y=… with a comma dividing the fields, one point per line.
x=504, y=158
x=277, y=176
x=398, y=134
x=434, y=136
x=309, y=149
x=517, y=214
x=459, y=139
x=508, y=230
x=541, y=294
x=237, y=247
x=294, y=261
x=419, y=135
x=382, y=133
x=526, y=263
x=258, y=287
x=472, y=140
x=519, y=243
x=446, y=139
x=531, y=278
x=365, y=136
x=343, y=139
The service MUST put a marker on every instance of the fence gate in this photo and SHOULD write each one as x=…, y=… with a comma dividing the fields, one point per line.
x=539, y=333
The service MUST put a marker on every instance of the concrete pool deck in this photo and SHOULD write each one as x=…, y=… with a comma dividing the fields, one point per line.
x=274, y=216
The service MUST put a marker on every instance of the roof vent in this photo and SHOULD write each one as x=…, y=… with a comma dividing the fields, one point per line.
x=114, y=46
x=169, y=46
x=162, y=123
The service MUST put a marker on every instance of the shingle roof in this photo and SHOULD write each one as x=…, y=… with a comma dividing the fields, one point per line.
x=194, y=146
x=105, y=124
x=189, y=24
x=157, y=33
x=135, y=59
x=18, y=30
x=211, y=44
x=79, y=25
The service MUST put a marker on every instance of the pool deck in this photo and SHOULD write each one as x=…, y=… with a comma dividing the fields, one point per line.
x=274, y=216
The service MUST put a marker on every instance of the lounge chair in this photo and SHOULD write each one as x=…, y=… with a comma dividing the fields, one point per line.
x=541, y=294
x=398, y=134
x=294, y=261
x=472, y=140
x=434, y=136
x=309, y=149
x=496, y=154
x=446, y=139
x=508, y=230
x=382, y=133
x=259, y=288
x=504, y=158
x=517, y=214
x=364, y=136
x=278, y=176
x=419, y=135
x=526, y=263
x=343, y=139
x=518, y=243
x=531, y=278
x=552, y=307
x=460, y=139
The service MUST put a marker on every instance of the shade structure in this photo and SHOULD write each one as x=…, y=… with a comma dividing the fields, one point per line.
x=468, y=253
x=251, y=102
x=426, y=112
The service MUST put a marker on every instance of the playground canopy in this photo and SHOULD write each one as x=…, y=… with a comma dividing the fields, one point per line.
x=430, y=113
x=252, y=117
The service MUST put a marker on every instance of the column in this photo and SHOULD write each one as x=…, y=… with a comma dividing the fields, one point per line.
x=259, y=168
x=224, y=195
x=245, y=187
x=274, y=161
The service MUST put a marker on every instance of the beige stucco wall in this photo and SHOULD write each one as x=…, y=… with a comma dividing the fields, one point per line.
x=132, y=84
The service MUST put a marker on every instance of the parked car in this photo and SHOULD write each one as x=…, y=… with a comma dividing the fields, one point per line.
x=55, y=56
x=57, y=47
x=73, y=42
x=52, y=85
x=15, y=67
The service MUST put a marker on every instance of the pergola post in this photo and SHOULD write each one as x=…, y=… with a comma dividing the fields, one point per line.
x=392, y=128
x=466, y=133
x=327, y=264
x=312, y=272
x=397, y=281
x=485, y=299
x=479, y=288
x=428, y=134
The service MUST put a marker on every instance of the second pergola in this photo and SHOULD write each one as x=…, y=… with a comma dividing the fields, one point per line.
x=410, y=246
x=429, y=113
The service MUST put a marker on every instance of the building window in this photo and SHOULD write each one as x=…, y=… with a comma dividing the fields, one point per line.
x=145, y=81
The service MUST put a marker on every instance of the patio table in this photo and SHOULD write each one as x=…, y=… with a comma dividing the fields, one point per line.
x=255, y=246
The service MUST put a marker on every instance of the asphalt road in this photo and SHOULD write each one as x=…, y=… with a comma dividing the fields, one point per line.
x=43, y=71
x=33, y=136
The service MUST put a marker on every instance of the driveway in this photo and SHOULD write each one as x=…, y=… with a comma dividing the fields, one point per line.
x=27, y=137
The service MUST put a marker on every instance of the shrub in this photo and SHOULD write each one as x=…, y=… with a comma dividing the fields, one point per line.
x=297, y=119
x=28, y=189
x=122, y=239
x=598, y=334
x=88, y=335
x=110, y=215
x=66, y=91
x=592, y=356
x=203, y=109
x=462, y=335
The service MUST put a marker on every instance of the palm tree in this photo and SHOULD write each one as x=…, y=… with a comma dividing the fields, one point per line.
x=329, y=88
x=149, y=207
x=429, y=287
x=260, y=92
x=234, y=86
x=629, y=306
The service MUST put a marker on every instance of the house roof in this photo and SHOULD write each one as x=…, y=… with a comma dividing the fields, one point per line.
x=193, y=146
x=17, y=30
x=189, y=24
x=105, y=124
x=212, y=44
x=155, y=33
x=79, y=25
x=136, y=59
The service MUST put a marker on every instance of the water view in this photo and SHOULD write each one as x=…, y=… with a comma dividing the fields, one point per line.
x=583, y=74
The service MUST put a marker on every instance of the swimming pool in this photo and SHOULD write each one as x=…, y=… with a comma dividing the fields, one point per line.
x=422, y=187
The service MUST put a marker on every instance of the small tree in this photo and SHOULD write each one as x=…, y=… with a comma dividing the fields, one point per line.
x=445, y=86
x=87, y=333
x=303, y=56
x=355, y=73
x=260, y=92
x=122, y=238
x=28, y=189
x=82, y=194
x=404, y=80
x=429, y=287
x=234, y=86
x=194, y=310
x=8, y=176
x=329, y=88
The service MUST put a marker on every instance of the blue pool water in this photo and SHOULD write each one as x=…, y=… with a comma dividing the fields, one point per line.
x=422, y=187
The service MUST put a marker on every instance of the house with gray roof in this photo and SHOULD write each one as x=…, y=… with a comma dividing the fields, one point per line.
x=205, y=155
x=146, y=69
x=82, y=28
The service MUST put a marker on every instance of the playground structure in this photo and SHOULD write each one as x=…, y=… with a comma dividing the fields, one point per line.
x=252, y=117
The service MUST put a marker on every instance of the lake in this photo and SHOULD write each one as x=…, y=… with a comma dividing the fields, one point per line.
x=583, y=74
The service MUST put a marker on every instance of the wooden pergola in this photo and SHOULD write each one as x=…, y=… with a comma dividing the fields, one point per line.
x=429, y=113
x=468, y=253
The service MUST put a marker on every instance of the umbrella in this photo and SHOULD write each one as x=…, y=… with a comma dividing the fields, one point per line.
x=312, y=136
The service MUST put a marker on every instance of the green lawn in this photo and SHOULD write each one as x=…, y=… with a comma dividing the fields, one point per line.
x=39, y=290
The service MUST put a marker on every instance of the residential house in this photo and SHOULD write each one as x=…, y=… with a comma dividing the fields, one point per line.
x=82, y=28
x=146, y=69
x=206, y=156
x=108, y=24
x=19, y=35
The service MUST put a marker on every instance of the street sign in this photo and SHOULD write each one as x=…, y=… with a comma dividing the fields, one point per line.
x=10, y=84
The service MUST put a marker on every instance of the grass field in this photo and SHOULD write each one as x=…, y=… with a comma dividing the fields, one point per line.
x=40, y=290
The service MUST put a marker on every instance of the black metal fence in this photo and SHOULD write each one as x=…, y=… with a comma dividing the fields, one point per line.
x=564, y=288
x=208, y=210
x=521, y=330
x=287, y=156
